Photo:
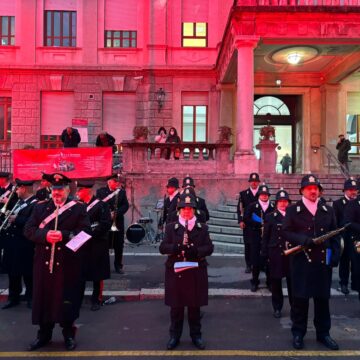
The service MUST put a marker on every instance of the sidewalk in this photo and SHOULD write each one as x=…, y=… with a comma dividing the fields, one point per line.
x=143, y=276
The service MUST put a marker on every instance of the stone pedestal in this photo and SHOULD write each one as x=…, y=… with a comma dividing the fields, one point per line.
x=268, y=156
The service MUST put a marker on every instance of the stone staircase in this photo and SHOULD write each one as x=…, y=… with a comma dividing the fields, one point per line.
x=223, y=226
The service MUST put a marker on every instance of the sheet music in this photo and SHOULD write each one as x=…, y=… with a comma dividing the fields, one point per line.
x=77, y=241
x=185, y=265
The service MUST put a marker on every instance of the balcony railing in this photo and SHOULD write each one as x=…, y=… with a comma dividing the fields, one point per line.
x=141, y=157
x=298, y=2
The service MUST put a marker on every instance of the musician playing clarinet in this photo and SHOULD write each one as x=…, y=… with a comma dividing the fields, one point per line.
x=18, y=250
x=311, y=269
x=97, y=261
x=186, y=240
x=58, y=281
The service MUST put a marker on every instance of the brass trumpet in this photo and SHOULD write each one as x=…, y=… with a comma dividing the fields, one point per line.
x=4, y=208
x=5, y=224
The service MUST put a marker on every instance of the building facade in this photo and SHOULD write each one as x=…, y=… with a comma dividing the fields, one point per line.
x=195, y=65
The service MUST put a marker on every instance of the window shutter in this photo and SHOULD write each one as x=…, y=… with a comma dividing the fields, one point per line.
x=121, y=15
x=195, y=11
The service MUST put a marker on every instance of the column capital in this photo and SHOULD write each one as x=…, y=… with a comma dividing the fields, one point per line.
x=246, y=41
x=330, y=87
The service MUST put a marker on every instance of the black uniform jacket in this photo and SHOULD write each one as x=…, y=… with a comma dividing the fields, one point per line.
x=273, y=245
x=122, y=204
x=97, y=261
x=57, y=296
x=352, y=216
x=169, y=207
x=254, y=229
x=189, y=287
x=246, y=198
x=43, y=194
x=310, y=275
x=201, y=205
x=18, y=250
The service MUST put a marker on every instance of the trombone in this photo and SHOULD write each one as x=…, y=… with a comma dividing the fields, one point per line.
x=4, y=208
x=5, y=224
x=113, y=226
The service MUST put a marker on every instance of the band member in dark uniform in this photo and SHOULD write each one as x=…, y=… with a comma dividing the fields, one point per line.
x=188, y=182
x=311, y=269
x=254, y=220
x=115, y=196
x=171, y=200
x=352, y=216
x=44, y=191
x=186, y=240
x=174, y=215
x=8, y=198
x=246, y=197
x=346, y=262
x=18, y=250
x=97, y=261
x=273, y=246
x=58, y=271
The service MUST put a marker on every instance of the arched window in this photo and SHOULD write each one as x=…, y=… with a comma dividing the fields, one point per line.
x=270, y=105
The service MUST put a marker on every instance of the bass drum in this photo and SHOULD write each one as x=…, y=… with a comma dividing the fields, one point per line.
x=135, y=233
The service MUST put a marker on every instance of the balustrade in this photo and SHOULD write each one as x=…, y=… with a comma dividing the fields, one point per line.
x=298, y=2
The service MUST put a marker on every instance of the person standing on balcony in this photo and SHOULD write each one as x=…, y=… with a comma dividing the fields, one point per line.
x=160, y=138
x=343, y=146
x=70, y=137
x=311, y=269
x=254, y=220
x=246, y=197
x=104, y=139
x=173, y=138
x=346, y=264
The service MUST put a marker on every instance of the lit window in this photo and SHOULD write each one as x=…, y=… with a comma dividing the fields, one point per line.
x=194, y=123
x=7, y=30
x=60, y=28
x=120, y=39
x=194, y=34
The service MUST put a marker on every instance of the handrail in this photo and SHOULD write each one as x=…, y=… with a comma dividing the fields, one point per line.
x=298, y=3
x=332, y=158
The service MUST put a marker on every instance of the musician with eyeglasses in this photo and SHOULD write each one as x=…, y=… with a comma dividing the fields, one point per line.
x=115, y=196
x=8, y=199
x=187, y=243
x=58, y=270
x=97, y=261
x=18, y=250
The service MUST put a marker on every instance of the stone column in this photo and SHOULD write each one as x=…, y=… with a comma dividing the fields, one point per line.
x=244, y=159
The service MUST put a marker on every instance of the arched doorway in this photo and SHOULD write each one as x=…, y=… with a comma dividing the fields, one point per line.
x=284, y=114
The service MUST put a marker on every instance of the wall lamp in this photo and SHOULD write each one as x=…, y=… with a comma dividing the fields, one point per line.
x=160, y=98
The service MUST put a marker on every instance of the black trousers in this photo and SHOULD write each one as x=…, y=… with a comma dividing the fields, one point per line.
x=116, y=242
x=96, y=297
x=346, y=264
x=177, y=321
x=247, y=254
x=15, y=286
x=277, y=296
x=256, y=272
x=299, y=316
x=46, y=329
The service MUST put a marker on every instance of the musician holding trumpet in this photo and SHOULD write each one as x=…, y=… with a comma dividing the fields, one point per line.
x=305, y=224
x=186, y=240
x=18, y=250
x=58, y=271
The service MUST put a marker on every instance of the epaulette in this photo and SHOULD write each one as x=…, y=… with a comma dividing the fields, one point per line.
x=176, y=226
x=325, y=208
x=344, y=201
x=197, y=199
x=197, y=211
x=257, y=205
x=298, y=209
x=275, y=214
x=199, y=225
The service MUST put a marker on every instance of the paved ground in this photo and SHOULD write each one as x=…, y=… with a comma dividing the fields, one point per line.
x=237, y=323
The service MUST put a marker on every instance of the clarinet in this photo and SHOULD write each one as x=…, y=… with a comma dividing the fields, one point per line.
x=185, y=239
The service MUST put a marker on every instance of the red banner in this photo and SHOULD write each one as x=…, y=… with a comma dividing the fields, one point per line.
x=76, y=163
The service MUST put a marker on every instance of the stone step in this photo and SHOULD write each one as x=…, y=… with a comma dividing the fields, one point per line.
x=226, y=238
x=226, y=208
x=230, y=230
x=226, y=248
x=223, y=215
x=222, y=222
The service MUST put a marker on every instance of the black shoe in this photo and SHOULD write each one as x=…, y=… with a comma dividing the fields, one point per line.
x=70, y=343
x=198, y=342
x=298, y=342
x=277, y=314
x=10, y=304
x=118, y=269
x=172, y=343
x=247, y=270
x=329, y=342
x=95, y=307
x=38, y=343
x=253, y=288
x=344, y=289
